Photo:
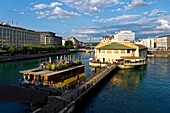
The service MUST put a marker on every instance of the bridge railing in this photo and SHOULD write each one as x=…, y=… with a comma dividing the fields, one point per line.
x=82, y=89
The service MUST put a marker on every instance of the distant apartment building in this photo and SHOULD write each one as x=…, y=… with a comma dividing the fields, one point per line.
x=150, y=43
x=124, y=36
x=119, y=37
x=49, y=38
x=75, y=42
x=63, y=42
x=17, y=36
x=163, y=42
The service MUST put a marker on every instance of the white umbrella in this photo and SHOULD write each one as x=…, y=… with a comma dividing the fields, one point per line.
x=49, y=59
x=90, y=58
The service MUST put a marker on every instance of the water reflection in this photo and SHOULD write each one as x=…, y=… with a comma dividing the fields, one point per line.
x=9, y=75
x=127, y=78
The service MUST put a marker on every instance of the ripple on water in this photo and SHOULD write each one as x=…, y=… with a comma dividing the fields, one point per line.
x=136, y=91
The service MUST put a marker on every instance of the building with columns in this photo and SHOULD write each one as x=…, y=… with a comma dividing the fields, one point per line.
x=17, y=36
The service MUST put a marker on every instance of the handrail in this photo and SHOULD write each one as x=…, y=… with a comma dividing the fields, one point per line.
x=70, y=98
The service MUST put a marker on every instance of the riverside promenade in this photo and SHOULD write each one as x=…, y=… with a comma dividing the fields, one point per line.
x=71, y=100
x=30, y=56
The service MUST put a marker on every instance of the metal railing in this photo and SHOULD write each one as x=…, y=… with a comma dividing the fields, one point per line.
x=71, y=97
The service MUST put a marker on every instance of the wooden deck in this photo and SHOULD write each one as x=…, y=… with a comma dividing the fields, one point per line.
x=37, y=71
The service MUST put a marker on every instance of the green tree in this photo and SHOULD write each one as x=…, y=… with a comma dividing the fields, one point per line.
x=68, y=43
x=28, y=49
x=10, y=49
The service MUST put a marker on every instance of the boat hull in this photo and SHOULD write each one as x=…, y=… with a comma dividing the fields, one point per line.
x=130, y=66
x=97, y=64
x=125, y=67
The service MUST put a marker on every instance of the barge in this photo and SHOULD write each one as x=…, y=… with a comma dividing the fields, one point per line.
x=53, y=79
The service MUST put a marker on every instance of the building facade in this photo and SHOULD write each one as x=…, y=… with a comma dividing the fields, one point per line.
x=49, y=38
x=18, y=37
x=124, y=36
x=75, y=42
x=119, y=36
x=110, y=51
x=163, y=42
x=150, y=43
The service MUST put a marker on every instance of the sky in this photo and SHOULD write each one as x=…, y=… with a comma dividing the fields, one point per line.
x=85, y=19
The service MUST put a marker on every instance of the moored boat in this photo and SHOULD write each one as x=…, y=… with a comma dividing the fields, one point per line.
x=57, y=78
x=131, y=62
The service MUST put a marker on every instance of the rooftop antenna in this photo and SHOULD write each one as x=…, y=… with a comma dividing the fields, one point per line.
x=7, y=22
x=17, y=24
x=12, y=23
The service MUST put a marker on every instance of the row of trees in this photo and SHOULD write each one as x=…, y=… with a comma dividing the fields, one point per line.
x=29, y=49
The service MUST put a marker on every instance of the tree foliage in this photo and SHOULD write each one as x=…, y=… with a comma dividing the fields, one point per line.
x=44, y=49
x=10, y=49
x=68, y=43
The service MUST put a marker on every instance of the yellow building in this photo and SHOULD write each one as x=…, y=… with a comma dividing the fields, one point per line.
x=111, y=51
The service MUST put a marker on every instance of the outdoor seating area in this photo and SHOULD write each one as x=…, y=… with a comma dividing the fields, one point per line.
x=58, y=64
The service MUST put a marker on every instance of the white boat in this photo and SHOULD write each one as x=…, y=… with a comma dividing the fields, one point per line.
x=132, y=62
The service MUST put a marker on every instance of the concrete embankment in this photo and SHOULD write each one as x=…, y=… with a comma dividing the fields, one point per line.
x=160, y=53
x=29, y=56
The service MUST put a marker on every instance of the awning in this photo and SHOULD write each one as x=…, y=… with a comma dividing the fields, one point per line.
x=133, y=60
x=137, y=59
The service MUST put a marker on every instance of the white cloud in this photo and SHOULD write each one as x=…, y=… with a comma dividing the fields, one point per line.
x=53, y=4
x=118, y=18
x=143, y=20
x=43, y=6
x=137, y=3
x=32, y=3
x=57, y=12
x=164, y=24
x=146, y=13
x=22, y=13
x=151, y=32
x=97, y=17
x=86, y=30
x=39, y=6
x=90, y=6
x=145, y=26
x=157, y=12
x=120, y=3
x=118, y=9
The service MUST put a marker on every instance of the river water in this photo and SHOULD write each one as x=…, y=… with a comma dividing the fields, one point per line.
x=135, y=91
x=9, y=75
x=128, y=91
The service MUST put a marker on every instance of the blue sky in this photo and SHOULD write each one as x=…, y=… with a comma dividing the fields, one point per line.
x=86, y=19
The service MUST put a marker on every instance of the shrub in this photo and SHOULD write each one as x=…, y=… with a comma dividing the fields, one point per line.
x=64, y=65
x=60, y=66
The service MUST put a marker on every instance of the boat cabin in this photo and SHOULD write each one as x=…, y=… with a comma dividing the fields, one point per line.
x=38, y=75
